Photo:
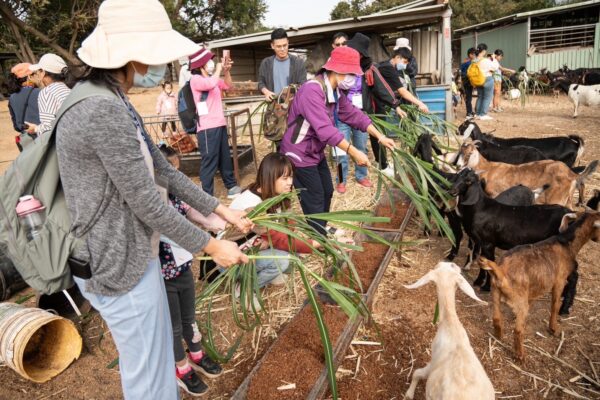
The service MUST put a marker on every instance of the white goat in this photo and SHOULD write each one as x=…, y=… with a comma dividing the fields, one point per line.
x=580, y=94
x=454, y=372
x=584, y=95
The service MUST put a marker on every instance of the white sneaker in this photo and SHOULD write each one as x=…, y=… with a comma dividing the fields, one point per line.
x=279, y=280
x=389, y=171
x=257, y=306
x=234, y=192
x=485, y=118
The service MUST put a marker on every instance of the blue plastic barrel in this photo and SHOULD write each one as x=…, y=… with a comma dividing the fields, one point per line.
x=435, y=98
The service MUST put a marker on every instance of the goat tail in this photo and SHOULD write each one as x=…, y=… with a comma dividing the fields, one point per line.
x=586, y=173
x=580, y=149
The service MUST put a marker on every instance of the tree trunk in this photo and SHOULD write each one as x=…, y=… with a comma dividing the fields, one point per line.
x=25, y=54
x=7, y=13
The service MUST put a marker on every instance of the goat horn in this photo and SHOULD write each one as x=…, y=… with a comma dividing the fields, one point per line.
x=564, y=224
x=476, y=142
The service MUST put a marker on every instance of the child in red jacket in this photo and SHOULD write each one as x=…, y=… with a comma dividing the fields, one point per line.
x=274, y=177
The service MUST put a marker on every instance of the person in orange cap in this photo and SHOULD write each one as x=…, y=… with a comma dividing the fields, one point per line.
x=23, y=102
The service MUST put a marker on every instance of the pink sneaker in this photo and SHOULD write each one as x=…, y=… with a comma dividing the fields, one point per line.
x=341, y=188
x=366, y=182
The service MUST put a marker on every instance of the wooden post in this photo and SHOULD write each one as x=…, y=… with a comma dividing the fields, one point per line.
x=447, y=61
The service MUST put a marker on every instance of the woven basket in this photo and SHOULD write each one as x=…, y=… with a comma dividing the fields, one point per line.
x=36, y=344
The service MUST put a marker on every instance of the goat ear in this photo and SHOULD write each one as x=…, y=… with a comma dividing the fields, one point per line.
x=468, y=131
x=467, y=289
x=425, y=279
x=564, y=224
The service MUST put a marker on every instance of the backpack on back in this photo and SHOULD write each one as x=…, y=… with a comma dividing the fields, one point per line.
x=42, y=262
x=475, y=74
x=186, y=108
x=274, y=122
x=275, y=119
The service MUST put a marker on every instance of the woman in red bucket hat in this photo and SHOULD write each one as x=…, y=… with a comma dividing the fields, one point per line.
x=312, y=118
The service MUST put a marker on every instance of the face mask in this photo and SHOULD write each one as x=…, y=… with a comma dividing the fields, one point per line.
x=400, y=66
x=348, y=82
x=152, y=78
x=210, y=67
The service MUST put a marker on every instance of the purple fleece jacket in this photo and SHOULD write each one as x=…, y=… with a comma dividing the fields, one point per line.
x=304, y=144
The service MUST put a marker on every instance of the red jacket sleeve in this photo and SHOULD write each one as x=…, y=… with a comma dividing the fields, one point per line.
x=280, y=241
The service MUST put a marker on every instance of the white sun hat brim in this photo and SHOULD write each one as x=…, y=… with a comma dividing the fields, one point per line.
x=134, y=30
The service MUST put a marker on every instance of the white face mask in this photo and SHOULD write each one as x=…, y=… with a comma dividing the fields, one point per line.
x=210, y=67
x=348, y=82
x=152, y=78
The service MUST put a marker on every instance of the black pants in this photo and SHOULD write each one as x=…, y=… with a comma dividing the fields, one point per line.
x=182, y=306
x=317, y=191
x=379, y=152
x=468, y=97
x=163, y=127
x=214, y=149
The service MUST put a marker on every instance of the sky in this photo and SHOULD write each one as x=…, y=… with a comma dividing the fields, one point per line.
x=298, y=12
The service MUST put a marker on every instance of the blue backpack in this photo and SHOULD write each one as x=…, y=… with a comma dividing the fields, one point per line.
x=186, y=108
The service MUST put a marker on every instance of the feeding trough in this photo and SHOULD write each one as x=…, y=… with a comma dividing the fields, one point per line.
x=300, y=341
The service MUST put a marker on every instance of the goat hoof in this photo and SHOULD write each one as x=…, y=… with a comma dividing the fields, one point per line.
x=564, y=311
x=554, y=332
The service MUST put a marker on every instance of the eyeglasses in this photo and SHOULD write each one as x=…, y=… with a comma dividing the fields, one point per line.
x=339, y=44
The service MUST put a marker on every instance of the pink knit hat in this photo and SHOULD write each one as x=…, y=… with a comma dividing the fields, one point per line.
x=200, y=58
x=344, y=60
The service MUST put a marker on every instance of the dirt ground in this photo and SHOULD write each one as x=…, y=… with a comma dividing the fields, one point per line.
x=404, y=318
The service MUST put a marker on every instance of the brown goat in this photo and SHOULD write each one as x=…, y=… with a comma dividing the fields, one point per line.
x=527, y=272
x=500, y=176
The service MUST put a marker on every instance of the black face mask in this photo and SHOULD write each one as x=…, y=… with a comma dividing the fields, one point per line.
x=365, y=63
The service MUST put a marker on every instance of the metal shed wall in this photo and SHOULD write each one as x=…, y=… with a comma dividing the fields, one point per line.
x=512, y=39
x=588, y=57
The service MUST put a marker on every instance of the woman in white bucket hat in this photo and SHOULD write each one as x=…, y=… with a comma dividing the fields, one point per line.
x=114, y=179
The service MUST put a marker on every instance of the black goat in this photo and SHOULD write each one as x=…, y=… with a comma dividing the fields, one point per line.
x=591, y=78
x=593, y=202
x=510, y=155
x=492, y=224
x=517, y=195
x=560, y=148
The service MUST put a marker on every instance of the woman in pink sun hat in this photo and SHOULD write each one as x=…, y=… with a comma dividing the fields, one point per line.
x=312, y=118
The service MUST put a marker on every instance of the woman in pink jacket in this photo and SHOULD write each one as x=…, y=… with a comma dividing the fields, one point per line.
x=207, y=86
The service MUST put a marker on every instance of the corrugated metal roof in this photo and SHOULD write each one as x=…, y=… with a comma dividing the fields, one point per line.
x=392, y=19
x=411, y=5
x=522, y=16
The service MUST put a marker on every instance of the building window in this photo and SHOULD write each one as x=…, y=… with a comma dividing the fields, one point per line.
x=574, y=29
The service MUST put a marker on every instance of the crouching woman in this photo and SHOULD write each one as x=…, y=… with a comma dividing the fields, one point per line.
x=317, y=107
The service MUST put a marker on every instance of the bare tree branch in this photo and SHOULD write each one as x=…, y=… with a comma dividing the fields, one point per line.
x=7, y=14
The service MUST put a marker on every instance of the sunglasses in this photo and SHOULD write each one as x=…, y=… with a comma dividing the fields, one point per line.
x=339, y=44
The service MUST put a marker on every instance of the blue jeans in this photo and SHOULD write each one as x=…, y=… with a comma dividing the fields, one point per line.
x=267, y=270
x=214, y=150
x=140, y=325
x=485, y=94
x=358, y=140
